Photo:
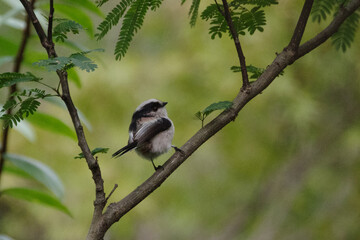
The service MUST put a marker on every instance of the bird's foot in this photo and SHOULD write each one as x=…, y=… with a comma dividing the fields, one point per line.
x=159, y=167
x=178, y=149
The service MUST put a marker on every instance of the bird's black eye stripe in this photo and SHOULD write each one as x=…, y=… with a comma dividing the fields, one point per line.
x=150, y=107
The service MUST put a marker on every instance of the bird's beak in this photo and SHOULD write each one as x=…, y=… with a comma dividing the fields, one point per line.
x=164, y=103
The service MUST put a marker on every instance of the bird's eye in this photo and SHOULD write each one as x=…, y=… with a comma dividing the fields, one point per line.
x=154, y=108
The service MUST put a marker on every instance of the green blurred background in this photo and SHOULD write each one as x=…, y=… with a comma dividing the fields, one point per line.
x=287, y=168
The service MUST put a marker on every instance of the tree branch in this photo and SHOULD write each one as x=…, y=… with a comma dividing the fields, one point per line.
x=102, y=222
x=118, y=209
x=235, y=36
x=300, y=26
x=333, y=27
x=18, y=60
x=100, y=200
x=50, y=25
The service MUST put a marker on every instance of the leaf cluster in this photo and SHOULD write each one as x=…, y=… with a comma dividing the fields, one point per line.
x=222, y=105
x=63, y=27
x=255, y=71
x=10, y=78
x=93, y=152
x=65, y=63
x=30, y=168
x=343, y=38
x=26, y=102
x=132, y=12
x=247, y=16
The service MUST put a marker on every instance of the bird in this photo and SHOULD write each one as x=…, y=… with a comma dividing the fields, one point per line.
x=151, y=131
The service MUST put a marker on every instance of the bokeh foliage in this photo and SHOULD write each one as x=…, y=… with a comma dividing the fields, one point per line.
x=287, y=168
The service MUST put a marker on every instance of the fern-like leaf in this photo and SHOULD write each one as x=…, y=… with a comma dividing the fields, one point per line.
x=253, y=20
x=209, y=12
x=112, y=18
x=10, y=78
x=26, y=102
x=133, y=21
x=99, y=3
x=321, y=9
x=63, y=27
x=343, y=38
x=194, y=12
x=155, y=4
x=261, y=3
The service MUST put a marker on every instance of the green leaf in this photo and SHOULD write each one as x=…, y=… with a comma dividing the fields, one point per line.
x=223, y=105
x=133, y=20
x=321, y=9
x=9, y=168
x=61, y=104
x=194, y=11
x=155, y=4
x=25, y=129
x=201, y=115
x=85, y=5
x=36, y=196
x=345, y=35
x=74, y=77
x=52, y=124
x=100, y=2
x=112, y=18
x=93, y=152
x=78, y=15
x=26, y=107
x=10, y=49
x=65, y=63
x=10, y=78
x=39, y=171
x=256, y=72
x=63, y=27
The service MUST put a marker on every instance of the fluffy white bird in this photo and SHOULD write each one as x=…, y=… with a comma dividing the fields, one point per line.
x=151, y=131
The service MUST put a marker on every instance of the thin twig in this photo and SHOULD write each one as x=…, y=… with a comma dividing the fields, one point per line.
x=239, y=50
x=300, y=26
x=51, y=16
x=18, y=60
x=112, y=191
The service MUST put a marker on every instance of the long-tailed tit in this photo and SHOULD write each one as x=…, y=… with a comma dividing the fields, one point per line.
x=150, y=131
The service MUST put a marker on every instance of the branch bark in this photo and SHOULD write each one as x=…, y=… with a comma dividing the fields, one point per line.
x=18, y=60
x=103, y=221
x=118, y=209
x=239, y=50
x=300, y=26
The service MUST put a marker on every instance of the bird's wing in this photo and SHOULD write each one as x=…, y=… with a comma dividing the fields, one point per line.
x=147, y=131
x=150, y=129
x=125, y=149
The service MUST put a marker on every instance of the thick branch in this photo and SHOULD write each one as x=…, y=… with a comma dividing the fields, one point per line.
x=300, y=26
x=116, y=210
x=235, y=36
x=18, y=60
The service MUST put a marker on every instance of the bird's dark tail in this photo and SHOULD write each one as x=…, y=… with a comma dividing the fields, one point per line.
x=125, y=149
